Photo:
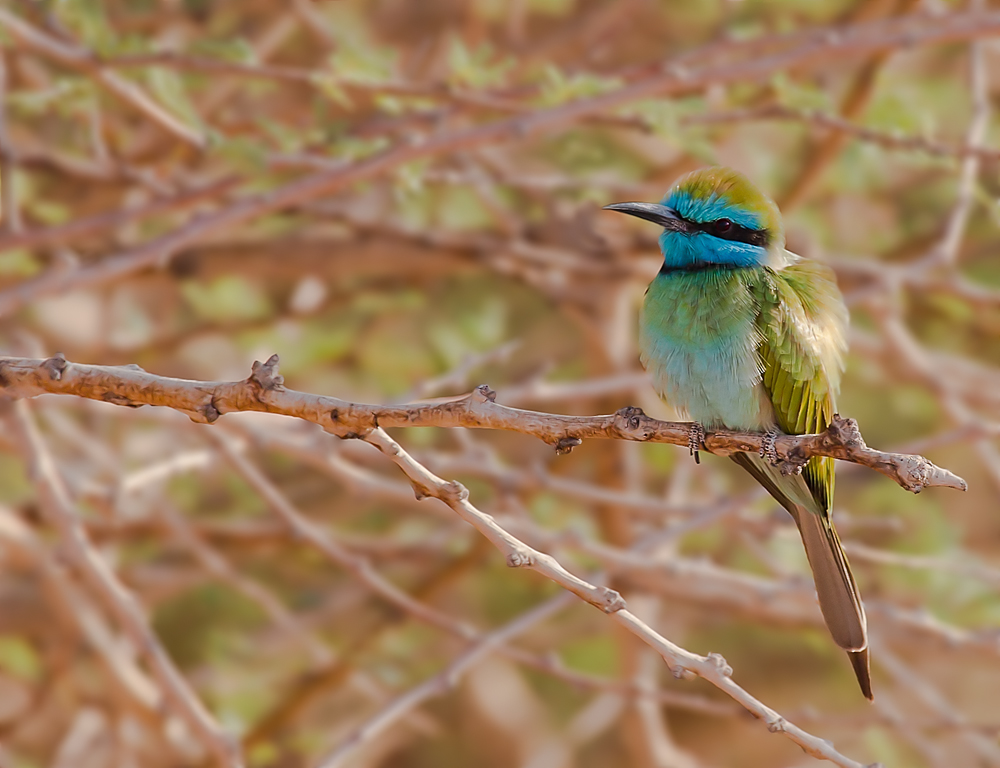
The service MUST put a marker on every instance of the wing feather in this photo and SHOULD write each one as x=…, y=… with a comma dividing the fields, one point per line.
x=802, y=325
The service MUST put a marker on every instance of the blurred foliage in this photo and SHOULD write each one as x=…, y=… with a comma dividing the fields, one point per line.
x=487, y=263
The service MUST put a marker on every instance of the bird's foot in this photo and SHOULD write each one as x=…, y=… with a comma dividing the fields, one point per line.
x=767, y=447
x=696, y=439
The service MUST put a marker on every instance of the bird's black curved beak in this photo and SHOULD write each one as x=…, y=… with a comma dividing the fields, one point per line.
x=654, y=212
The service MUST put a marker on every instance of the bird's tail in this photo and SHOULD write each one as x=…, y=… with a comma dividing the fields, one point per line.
x=839, y=599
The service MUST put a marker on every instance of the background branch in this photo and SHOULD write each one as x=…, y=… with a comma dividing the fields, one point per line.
x=405, y=201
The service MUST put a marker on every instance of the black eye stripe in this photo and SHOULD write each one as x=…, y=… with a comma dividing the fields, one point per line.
x=736, y=232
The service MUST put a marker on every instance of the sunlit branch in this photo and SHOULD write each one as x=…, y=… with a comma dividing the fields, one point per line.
x=264, y=390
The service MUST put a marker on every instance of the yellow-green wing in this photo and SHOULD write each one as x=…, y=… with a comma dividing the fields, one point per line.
x=802, y=323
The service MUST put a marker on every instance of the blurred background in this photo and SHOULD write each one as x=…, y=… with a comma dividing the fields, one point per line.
x=403, y=201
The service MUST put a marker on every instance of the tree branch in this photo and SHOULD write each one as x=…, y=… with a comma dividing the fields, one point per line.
x=441, y=683
x=682, y=663
x=205, y=401
x=62, y=515
x=805, y=50
x=82, y=60
x=264, y=391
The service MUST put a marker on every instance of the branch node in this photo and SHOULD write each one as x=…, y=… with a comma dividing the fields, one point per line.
x=567, y=444
x=845, y=432
x=718, y=661
x=519, y=559
x=631, y=416
x=777, y=724
x=791, y=467
x=915, y=473
x=265, y=375
x=453, y=492
x=55, y=366
x=484, y=394
x=680, y=672
x=338, y=427
x=611, y=601
x=115, y=399
x=209, y=412
x=795, y=459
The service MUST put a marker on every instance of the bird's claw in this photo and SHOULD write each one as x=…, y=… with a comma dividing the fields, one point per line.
x=767, y=447
x=696, y=438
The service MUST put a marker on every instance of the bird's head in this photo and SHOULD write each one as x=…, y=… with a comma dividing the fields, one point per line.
x=713, y=217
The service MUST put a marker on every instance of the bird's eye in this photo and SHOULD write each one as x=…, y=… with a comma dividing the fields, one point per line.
x=722, y=226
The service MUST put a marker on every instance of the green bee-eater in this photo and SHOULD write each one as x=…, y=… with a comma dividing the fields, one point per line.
x=739, y=333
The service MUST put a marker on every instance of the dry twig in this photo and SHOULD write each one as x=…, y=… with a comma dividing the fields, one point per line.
x=803, y=50
x=102, y=581
x=264, y=391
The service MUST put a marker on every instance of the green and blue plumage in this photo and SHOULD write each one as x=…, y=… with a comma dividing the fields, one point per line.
x=737, y=332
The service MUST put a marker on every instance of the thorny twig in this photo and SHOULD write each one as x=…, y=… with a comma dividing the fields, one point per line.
x=804, y=50
x=59, y=511
x=264, y=390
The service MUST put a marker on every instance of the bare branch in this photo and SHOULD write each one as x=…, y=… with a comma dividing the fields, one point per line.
x=83, y=60
x=947, y=250
x=59, y=510
x=682, y=663
x=10, y=211
x=332, y=549
x=264, y=391
x=830, y=122
x=57, y=235
x=859, y=93
x=803, y=50
x=216, y=565
x=441, y=682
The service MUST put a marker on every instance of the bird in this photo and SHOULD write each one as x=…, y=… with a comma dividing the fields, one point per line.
x=736, y=332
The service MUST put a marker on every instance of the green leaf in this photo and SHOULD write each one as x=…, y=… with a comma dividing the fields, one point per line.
x=65, y=96
x=592, y=654
x=19, y=658
x=802, y=94
x=559, y=88
x=230, y=297
x=243, y=153
x=168, y=88
x=236, y=49
x=354, y=60
x=479, y=68
x=331, y=87
x=19, y=262
x=87, y=20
